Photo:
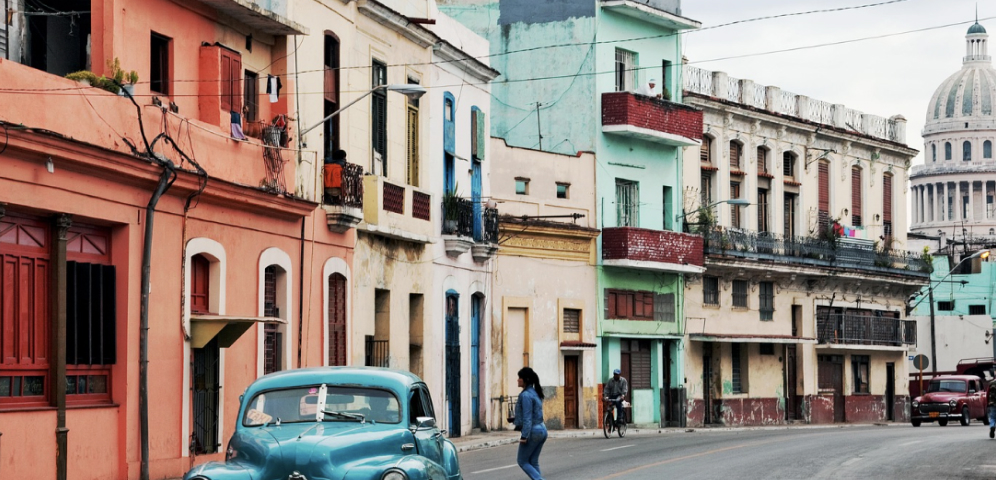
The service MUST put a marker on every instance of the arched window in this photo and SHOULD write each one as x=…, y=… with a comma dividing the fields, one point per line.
x=337, y=319
x=933, y=153
x=200, y=284
x=947, y=150
x=966, y=151
x=987, y=149
x=273, y=336
x=788, y=165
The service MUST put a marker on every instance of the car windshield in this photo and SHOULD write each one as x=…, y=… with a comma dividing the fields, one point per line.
x=300, y=404
x=957, y=386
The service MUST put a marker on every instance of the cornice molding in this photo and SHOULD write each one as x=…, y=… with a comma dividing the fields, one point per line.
x=449, y=53
x=524, y=240
x=397, y=22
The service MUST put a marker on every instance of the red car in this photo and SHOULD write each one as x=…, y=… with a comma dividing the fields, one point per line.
x=951, y=397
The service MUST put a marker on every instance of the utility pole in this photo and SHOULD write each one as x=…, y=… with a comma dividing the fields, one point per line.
x=933, y=340
x=539, y=129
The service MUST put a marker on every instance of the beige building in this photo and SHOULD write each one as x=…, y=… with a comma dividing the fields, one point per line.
x=800, y=313
x=544, y=315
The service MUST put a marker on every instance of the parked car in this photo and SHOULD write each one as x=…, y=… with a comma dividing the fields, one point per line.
x=950, y=397
x=340, y=423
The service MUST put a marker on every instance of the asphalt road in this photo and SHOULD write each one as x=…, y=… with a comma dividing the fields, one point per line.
x=850, y=452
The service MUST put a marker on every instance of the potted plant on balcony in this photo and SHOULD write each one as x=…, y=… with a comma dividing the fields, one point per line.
x=83, y=77
x=451, y=210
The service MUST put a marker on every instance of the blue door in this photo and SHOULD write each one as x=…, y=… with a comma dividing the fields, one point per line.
x=453, y=362
x=475, y=193
x=475, y=359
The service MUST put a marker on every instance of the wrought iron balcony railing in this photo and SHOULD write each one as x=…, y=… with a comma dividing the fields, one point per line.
x=811, y=250
x=846, y=329
x=467, y=224
x=343, y=185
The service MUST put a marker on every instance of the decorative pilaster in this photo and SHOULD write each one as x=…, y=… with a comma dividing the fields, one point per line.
x=57, y=380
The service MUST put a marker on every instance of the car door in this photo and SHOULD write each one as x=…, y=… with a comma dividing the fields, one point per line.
x=429, y=440
x=978, y=406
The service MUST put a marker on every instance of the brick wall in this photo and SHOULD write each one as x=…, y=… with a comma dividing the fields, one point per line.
x=624, y=108
x=642, y=244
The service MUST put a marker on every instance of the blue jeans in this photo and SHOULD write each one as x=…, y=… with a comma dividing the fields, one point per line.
x=529, y=452
x=991, y=410
x=620, y=413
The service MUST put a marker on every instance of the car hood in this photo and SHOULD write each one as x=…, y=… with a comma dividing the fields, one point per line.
x=323, y=450
x=940, y=397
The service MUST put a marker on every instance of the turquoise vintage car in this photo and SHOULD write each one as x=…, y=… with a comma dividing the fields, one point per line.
x=335, y=423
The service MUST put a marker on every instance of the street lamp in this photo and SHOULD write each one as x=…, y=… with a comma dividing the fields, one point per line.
x=737, y=202
x=409, y=90
x=930, y=294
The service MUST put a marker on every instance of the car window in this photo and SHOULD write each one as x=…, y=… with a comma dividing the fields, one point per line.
x=416, y=406
x=955, y=386
x=300, y=404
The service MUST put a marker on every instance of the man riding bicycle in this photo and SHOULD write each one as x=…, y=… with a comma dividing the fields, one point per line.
x=615, y=391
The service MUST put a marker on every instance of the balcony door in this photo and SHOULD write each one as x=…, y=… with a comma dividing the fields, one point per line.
x=627, y=203
x=475, y=197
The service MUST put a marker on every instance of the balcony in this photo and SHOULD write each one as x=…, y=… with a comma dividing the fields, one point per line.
x=812, y=251
x=468, y=229
x=665, y=13
x=401, y=212
x=656, y=250
x=845, y=329
x=342, y=198
x=651, y=119
x=264, y=15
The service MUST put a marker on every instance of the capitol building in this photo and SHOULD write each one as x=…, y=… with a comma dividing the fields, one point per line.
x=954, y=191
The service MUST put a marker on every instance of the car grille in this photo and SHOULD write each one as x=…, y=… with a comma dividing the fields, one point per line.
x=935, y=407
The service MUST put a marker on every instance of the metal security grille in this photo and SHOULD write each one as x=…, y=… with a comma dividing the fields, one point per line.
x=625, y=70
x=640, y=367
x=572, y=320
x=767, y=300
x=740, y=293
x=272, y=337
x=421, y=205
x=394, y=198
x=337, y=319
x=90, y=314
x=710, y=290
x=205, y=390
x=664, y=307
x=976, y=309
x=627, y=203
x=739, y=369
x=377, y=352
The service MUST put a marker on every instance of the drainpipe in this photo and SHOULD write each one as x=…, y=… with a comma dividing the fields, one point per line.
x=58, y=316
x=300, y=297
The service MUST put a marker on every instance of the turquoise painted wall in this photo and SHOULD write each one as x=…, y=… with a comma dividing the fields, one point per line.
x=978, y=289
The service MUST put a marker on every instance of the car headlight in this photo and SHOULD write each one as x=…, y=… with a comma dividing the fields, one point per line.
x=231, y=453
x=953, y=402
x=394, y=475
x=916, y=404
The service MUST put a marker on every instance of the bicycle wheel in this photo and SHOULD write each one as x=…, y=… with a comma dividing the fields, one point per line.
x=607, y=424
x=621, y=428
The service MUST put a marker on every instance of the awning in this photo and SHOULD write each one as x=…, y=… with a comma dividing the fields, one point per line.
x=228, y=328
x=576, y=345
x=708, y=337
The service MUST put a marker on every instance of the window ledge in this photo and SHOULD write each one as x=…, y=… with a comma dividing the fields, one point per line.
x=87, y=406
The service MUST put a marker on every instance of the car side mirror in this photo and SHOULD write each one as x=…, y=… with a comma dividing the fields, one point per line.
x=971, y=391
x=425, y=423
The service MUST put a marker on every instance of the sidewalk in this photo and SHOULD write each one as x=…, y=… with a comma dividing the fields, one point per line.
x=498, y=438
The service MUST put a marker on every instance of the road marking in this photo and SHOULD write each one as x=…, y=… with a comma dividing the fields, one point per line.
x=493, y=469
x=910, y=443
x=855, y=459
x=686, y=457
x=616, y=448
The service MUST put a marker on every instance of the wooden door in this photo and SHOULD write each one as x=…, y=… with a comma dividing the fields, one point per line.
x=571, y=392
x=890, y=391
x=831, y=376
x=791, y=380
x=707, y=388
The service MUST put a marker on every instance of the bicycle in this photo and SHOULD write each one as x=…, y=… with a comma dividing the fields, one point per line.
x=609, y=422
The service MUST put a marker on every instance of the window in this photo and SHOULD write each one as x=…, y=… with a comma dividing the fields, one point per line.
x=859, y=365
x=946, y=306
x=947, y=150
x=740, y=294
x=478, y=134
x=666, y=78
x=824, y=194
x=762, y=161
x=272, y=337
x=705, y=148
x=762, y=210
x=629, y=305
x=788, y=165
x=766, y=349
x=966, y=151
x=706, y=186
x=636, y=354
x=790, y=201
x=448, y=110
x=252, y=96
x=90, y=329
x=933, y=152
x=626, y=72
x=159, y=64
x=987, y=149
x=200, y=284
x=572, y=320
x=976, y=309
x=735, y=151
x=231, y=80
x=562, y=189
x=735, y=210
x=337, y=319
x=710, y=290
x=664, y=307
x=856, y=196
x=766, y=299
x=887, y=204
x=378, y=117
x=627, y=203
x=521, y=186
x=414, y=166
x=739, y=369
x=331, y=88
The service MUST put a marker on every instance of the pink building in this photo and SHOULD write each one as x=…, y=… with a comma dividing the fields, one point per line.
x=246, y=275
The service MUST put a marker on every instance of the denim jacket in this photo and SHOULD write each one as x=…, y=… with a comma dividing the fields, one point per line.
x=528, y=411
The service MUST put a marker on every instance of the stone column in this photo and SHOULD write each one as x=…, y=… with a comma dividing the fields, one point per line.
x=971, y=201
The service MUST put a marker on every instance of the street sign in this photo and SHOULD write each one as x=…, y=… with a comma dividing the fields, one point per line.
x=921, y=362
x=911, y=358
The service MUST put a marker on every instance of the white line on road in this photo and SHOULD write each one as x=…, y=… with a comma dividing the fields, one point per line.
x=855, y=459
x=493, y=469
x=616, y=448
x=910, y=443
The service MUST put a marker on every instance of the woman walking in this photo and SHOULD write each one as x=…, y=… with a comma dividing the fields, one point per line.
x=529, y=418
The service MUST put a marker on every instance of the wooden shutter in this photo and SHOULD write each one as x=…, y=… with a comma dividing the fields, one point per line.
x=24, y=292
x=572, y=320
x=252, y=96
x=478, y=133
x=704, y=149
x=856, y=196
x=231, y=80
x=413, y=158
x=734, y=155
x=331, y=91
x=887, y=198
x=824, y=191
x=337, y=319
x=200, y=281
x=762, y=160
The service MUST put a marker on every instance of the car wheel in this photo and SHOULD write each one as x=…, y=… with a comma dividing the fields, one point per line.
x=965, y=419
x=942, y=423
x=916, y=423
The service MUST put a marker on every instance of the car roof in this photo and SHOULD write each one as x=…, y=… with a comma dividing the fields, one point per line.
x=396, y=380
x=956, y=377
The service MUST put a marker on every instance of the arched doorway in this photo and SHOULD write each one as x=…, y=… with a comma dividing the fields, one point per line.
x=453, y=361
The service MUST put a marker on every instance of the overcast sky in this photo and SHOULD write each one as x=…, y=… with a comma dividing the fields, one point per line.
x=884, y=77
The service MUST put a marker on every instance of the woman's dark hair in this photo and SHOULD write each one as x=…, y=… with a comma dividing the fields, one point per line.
x=531, y=379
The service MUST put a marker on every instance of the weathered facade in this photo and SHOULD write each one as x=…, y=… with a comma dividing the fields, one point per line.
x=800, y=313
